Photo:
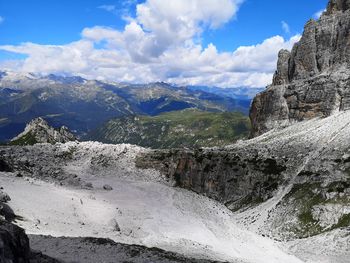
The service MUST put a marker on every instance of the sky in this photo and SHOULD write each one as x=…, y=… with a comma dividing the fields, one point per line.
x=224, y=43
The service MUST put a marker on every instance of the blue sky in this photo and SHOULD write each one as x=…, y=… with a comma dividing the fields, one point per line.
x=61, y=23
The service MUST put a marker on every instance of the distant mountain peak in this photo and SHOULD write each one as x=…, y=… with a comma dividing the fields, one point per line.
x=66, y=79
x=39, y=131
x=15, y=76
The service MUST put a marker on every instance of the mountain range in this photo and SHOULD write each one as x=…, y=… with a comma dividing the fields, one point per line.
x=83, y=105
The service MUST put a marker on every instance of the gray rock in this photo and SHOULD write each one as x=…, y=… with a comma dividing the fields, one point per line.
x=114, y=225
x=4, y=197
x=14, y=246
x=313, y=79
x=107, y=187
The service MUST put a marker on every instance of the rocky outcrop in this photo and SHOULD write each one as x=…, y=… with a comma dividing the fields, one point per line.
x=237, y=179
x=14, y=246
x=39, y=131
x=313, y=79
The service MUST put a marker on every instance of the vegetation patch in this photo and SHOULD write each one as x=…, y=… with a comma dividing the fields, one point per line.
x=27, y=139
x=303, y=197
x=344, y=221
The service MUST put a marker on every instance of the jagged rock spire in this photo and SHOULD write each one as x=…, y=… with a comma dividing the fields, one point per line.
x=338, y=5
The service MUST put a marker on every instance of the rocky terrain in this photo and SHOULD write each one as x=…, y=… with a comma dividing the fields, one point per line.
x=39, y=131
x=291, y=186
x=282, y=196
x=101, y=193
x=312, y=80
x=301, y=171
x=189, y=128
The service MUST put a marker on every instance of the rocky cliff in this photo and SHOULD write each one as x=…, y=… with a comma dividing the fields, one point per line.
x=39, y=131
x=313, y=79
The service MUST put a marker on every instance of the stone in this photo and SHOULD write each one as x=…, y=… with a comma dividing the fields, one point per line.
x=107, y=187
x=114, y=225
x=4, y=197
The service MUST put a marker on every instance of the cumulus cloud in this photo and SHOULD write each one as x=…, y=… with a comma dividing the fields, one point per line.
x=160, y=44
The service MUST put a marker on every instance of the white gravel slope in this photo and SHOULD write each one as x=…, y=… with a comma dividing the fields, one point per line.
x=150, y=214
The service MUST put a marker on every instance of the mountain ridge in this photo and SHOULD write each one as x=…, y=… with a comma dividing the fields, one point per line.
x=82, y=105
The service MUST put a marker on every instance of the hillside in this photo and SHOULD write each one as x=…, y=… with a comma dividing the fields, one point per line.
x=83, y=105
x=188, y=128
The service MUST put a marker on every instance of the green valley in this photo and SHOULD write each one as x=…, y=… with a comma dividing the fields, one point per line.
x=187, y=128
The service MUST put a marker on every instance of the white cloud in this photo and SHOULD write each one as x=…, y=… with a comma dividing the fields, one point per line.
x=2, y=19
x=122, y=9
x=160, y=44
x=285, y=27
x=108, y=8
x=318, y=14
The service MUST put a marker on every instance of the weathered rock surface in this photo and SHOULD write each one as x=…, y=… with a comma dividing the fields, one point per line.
x=39, y=131
x=14, y=246
x=313, y=79
x=236, y=178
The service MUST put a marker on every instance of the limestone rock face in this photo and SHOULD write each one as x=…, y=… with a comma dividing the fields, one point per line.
x=313, y=79
x=39, y=131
